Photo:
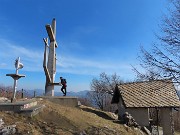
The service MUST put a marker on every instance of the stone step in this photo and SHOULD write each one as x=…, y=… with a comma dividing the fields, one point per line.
x=31, y=111
x=65, y=100
x=29, y=105
x=18, y=105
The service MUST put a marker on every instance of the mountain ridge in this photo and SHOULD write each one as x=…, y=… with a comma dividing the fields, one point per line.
x=40, y=92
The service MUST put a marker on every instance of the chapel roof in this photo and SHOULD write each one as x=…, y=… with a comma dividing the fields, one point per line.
x=156, y=93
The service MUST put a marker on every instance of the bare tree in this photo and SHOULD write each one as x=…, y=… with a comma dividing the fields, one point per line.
x=7, y=91
x=85, y=101
x=163, y=61
x=105, y=83
x=102, y=89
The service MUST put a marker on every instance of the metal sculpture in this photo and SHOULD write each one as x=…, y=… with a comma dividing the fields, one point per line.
x=18, y=65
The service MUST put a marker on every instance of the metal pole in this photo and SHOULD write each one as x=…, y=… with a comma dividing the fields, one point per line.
x=14, y=88
x=34, y=93
x=15, y=80
x=22, y=94
x=17, y=65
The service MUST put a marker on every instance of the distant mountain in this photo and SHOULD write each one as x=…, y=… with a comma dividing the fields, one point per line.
x=40, y=92
x=80, y=94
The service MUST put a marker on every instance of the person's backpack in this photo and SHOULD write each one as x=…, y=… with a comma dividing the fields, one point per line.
x=64, y=81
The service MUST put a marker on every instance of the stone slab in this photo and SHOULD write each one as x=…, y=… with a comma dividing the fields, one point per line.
x=65, y=101
x=18, y=105
x=32, y=110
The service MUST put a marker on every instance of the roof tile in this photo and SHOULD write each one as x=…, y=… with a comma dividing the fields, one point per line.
x=158, y=93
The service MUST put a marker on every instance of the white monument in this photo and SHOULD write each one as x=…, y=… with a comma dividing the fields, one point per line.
x=16, y=76
x=50, y=53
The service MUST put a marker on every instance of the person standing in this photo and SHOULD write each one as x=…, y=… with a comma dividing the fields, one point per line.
x=64, y=85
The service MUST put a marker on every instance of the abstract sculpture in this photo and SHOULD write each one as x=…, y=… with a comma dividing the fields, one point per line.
x=18, y=65
x=50, y=53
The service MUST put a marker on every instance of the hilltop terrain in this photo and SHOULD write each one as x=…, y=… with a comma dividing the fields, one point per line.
x=60, y=120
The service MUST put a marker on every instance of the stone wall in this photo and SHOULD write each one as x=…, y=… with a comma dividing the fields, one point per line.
x=121, y=109
x=141, y=115
x=167, y=121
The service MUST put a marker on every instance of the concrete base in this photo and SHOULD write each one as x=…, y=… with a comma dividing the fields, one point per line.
x=32, y=110
x=65, y=101
x=27, y=107
x=49, y=90
x=18, y=105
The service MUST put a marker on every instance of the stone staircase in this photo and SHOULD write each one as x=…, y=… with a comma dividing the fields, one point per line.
x=28, y=107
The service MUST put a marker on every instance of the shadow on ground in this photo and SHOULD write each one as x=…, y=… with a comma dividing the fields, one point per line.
x=97, y=112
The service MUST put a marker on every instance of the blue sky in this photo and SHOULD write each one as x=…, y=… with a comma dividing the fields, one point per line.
x=93, y=36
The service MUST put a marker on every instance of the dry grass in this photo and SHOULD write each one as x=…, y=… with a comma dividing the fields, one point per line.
x=59, y=120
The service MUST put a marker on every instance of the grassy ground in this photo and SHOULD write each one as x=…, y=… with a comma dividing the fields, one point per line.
x=59, y=120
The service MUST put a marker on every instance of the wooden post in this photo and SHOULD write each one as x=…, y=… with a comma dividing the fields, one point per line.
x=157, y=113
